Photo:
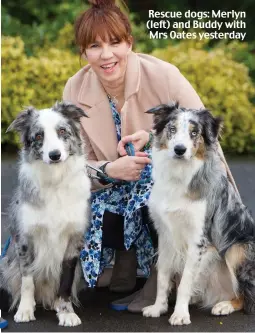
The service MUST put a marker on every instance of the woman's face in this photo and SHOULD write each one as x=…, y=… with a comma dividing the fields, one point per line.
x=108, y=59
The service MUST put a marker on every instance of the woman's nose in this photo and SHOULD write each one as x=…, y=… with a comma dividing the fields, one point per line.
x=106, y=52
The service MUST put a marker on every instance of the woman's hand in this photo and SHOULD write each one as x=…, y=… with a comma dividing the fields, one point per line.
x=138, y=139
x=128, y=167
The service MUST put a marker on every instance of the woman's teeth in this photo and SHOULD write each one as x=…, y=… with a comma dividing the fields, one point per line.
x=109, y=66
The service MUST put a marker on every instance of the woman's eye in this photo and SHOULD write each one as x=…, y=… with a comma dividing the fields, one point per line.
x=38, y=137
x=115, y=42
x=193, y=133
x=93, y=45
x=62, y=131
x=172, y=129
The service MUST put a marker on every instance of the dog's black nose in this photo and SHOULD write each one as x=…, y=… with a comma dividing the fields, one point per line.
x=54, y=155
x=179, y=150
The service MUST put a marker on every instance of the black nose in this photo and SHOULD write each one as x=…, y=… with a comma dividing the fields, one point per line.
x=179, y=150
x=54, y=155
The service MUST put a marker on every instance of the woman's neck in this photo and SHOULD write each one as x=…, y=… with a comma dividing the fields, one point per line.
x=115, y=89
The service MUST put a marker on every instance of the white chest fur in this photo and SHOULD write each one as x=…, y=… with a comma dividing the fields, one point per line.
x=64, y=190
x=179, y=217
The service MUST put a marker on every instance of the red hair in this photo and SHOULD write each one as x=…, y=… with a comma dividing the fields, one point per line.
x=103, y=19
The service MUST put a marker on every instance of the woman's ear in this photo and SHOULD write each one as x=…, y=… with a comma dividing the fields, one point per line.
x=83, y=53
x=130, y=43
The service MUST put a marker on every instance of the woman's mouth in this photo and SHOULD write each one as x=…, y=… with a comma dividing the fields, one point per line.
x=109, y=68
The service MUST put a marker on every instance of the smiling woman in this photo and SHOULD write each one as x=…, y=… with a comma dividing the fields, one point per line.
x=108, y=59
x=115, y=89
x=103, y=34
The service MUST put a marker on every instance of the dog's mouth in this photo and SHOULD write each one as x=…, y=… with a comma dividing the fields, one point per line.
x=55, y=162
x=179, y=157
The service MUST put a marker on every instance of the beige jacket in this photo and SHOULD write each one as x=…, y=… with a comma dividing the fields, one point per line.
x=149, y=82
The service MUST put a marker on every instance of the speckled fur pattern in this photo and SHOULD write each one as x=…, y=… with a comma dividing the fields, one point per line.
x=48, y=215
x=206, y=234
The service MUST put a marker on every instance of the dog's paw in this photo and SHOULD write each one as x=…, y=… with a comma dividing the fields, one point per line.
x=24, y=315
x=223, y=308
x=154, y=310
x=178, y=318
x=68, y=319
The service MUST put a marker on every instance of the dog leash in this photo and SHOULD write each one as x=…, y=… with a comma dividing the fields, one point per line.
x=129, y=147
x=3, y=323
x=6, y=246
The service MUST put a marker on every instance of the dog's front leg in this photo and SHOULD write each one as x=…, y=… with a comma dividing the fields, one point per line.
x=24, y=249
x=164, y=281
x=63, y=304
x=181, y=314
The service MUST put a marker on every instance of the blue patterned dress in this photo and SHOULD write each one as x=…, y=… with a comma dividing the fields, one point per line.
x=125, y=200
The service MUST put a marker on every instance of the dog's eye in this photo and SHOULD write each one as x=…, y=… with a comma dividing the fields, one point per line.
x=62, y=131
x=172, y=129
x=38, y=137
x=194, y=133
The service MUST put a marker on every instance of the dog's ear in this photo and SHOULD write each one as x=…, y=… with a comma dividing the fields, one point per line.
x=22, y=120
x=69, y=110
x=163, y=109
x=162, y=114
x=211, y=126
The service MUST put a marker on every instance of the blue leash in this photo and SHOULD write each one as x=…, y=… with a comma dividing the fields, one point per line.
x=3, y=322
x=130, y=149
x=6, y=246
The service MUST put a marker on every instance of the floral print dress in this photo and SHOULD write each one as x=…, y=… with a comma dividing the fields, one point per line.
x=126, y=200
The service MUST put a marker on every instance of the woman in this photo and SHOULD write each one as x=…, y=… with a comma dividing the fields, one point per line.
x=115, y=89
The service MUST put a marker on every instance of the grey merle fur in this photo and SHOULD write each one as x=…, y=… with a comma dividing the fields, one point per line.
x=20, y=256
x=27, y=125
x=228, y=221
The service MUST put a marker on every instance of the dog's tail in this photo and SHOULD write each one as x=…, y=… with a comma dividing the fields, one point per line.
x=246, y=278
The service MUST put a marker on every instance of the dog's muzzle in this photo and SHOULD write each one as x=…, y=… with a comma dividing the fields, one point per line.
x=55, y=155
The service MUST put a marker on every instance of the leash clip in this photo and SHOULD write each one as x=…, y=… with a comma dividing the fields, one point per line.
x=102, y=176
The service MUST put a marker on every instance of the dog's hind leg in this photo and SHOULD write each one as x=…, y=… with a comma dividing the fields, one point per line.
x=246, y=278
x=227, y=307
x=25, y=313
x=235, y=260
x=63, y=303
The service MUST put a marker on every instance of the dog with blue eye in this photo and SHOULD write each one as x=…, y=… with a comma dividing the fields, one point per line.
x=48, y=214
x=206, y=234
